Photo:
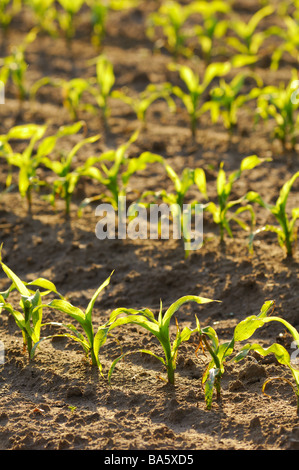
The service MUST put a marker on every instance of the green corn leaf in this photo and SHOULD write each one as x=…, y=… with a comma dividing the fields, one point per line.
x=64, y=131
x=146, y=351
x=248, y=163
x=221, y=180
x=258, y=16
x=88, y=311
x=130, y=311
x=137, y=319
x=246, y=328
x=285, y=190
x=25, y=131
x=212, y=335
x=119, y=358
x=200, y=181
x=78, y=146
x=99, y=340
x=176, y=305
x=20, y=286
x=66, y=307
x=46, y=146
x=24, y=182
x=214, y=70
x=19, y=318
x=114, y=363
x=291, y=329
x=44, y=283
x=278, y=350
x=209, y=386
x=36, y=315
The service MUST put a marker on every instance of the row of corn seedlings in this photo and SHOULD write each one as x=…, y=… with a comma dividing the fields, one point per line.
x=113, y=169
x=202, y=27
x=196, y=93
x=29, y=319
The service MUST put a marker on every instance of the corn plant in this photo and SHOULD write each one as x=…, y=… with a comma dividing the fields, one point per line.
x=176, y=198
x=214, y=26
x=8, y=10
x=227, y=99
x=159, y=328
x=44, y=13
x=67, y=178
x=101, y=87
x=196, y=88
x=289, y=36
x=248, y=39
x=221, y=212
x=279, y=351
x=109, y=176
x=115, y=172
x=140, y=103
x=29, y=160
x=91, y=342
x=171, y=17
x=29, y=319
x=70, y=8
x=279, y=103
x=220, y=352
x=14, y=66
x=99, y=14
x=72, y=93
x=286, y=231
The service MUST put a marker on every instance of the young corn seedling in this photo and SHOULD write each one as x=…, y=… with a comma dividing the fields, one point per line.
x=115, y=172
x=32, y=156
x=108, y=176
x=99, y=14
x=286, y=231
x=213, y=28
x=171, y=18
x=29, y=319
x=221, y=212
x=159, y=328
x=66, y=178
x=248, y=39
x=72, y=92
x=140, y=104
x=220, y=352
x=279, y=351
x=70, y=8
x=227, y=99
x=91, y=342
x=27, y=161
x=101, y=86
x=14, y=66
x=8, y=10
x=195, y=89
x=281, y=104
x=44, y=12
x=289, y=36
x=175, y=200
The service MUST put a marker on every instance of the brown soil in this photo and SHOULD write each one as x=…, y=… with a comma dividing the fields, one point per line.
x=58, y=401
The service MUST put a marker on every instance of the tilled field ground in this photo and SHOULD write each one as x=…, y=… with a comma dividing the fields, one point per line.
x=57, y=401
